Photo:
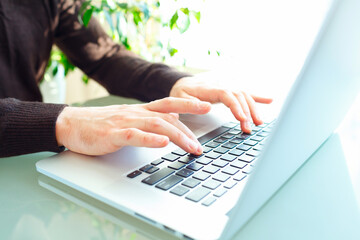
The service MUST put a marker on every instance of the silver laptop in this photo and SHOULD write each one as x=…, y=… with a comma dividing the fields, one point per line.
x=212, y=196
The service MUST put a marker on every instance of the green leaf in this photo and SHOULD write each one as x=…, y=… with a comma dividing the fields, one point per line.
x=209, y=52
x=85, y=79
x=218, y=53
x=123, y=5
x=55, y=71
x=87, y=16
x=184, y=24
x=173, y=20
x=197, y=15
x=172, y=51
x=84, y=6
x=137, y=18
x=185, y=11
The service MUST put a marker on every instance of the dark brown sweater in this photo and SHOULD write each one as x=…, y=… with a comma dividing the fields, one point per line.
x=28, y=29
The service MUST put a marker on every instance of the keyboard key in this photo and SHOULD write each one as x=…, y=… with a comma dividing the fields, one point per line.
x=179, y=190
x=184, y=173
x=257, y=138
x=250, y=142
x=230, y=184
x=157, y=162
x=263, y=134
x=220, y=140
x=191, y=182
x=258, y=147
x=207, y=149
x=220, y=192
x=221, y=177
x=230, y=125
x=256, y=128
x=195, y=166
x=169, y=182
x=195, y=156
x=221, y=150
x=213, y=134
x=248, y=169
x=230, y=170
x=236, y=140
x=227, y=136
x=243, y=136
x=220, y=163
x=208, y=201
x=198, y=194
x=213, y=155
x=211, y=169
x=228, y=157
x=253, y=153
x=211, y=184
x=176, y=165
x=158, y=176
x=171, y=157
x=202, y=176
x=146, y=167
x=204, y=160
x=134, y=174
x=243, y=147
x=236, y=152
x=240, y=176
x=229, y=145
x=186, y=159
x=179, y=152
x=234, y=131
x=238, y=164
x=152, y=170
x=212, y=144
x=246, y=158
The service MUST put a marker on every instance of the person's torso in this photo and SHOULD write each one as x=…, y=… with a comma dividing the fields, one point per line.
x=26, y=38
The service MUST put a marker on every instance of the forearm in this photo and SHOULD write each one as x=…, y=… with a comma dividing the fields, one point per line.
x=120, y=71
x=27, y=127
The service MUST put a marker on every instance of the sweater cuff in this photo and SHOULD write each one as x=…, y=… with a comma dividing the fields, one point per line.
x=28, y=127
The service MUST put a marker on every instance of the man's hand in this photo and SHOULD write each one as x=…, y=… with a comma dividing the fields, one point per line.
x=101, y=130
x=241, y=104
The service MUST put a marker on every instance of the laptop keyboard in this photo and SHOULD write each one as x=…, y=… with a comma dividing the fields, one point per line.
x=228, y=158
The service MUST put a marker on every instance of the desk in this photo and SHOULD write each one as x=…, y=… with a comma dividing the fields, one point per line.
x=321, y=201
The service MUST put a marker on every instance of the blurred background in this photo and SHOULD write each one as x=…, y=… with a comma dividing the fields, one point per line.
x=255, y=45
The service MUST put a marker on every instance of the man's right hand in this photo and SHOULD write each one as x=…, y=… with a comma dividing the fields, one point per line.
x=102, y=130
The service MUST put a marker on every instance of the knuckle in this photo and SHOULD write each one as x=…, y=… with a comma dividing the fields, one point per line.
x=129, y=134
x=154, y=122
x=170, y=118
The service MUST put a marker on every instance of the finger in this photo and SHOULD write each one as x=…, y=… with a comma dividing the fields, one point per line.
x=177, y=123
x=179, y=105
x=253, y=110
x=215, y=95
x=138, y=138
x=262, y=99
x=159, y=126
x=245, y=124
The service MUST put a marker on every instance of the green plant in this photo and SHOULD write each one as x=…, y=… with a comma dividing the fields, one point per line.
x=136, y=24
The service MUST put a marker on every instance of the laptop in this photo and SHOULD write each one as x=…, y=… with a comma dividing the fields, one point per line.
x=213, y=196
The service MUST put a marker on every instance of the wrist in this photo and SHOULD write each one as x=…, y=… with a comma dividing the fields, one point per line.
x=62, y=126
x=174, y=92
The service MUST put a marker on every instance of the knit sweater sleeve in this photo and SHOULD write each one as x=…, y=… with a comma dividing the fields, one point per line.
x=28, y=127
